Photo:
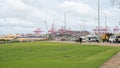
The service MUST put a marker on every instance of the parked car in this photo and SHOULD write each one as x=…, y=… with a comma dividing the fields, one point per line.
x=114, y=39
x=118, y=39
x=83, y=39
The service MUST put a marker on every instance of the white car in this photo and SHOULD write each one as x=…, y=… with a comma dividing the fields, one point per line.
x=112, y=39
x=83, y=39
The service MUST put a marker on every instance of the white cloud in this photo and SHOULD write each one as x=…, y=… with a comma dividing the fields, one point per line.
x=78, y=7
x=16, y=4
x=37, y=13
x=13, y=22
x=108, y=13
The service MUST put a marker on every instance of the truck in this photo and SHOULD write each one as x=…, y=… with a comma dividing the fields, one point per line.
x=92, y=38
x=105, y=37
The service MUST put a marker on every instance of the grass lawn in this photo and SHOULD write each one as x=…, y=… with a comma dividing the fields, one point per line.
x=53, y=55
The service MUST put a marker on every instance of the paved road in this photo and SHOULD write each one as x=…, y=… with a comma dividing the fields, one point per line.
x=92, y=43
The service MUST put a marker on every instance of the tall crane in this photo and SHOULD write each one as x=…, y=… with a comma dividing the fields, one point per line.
x=46, y=25
x=37, y=31
x=52, y=30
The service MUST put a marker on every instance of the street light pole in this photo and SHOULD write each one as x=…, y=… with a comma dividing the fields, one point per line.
x=106, y=31
x=105, y=19
x=65, y=13
x=98, y=16
x=65, y=22
x=119, y=26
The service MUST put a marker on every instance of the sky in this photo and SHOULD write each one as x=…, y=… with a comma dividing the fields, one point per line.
x=24, y=16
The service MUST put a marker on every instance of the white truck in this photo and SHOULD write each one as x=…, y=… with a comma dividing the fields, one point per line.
x=92, y=38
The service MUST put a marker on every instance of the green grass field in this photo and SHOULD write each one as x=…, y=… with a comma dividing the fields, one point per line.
x=53, y=55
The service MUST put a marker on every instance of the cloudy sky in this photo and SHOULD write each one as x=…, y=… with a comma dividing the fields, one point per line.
x=24, y=16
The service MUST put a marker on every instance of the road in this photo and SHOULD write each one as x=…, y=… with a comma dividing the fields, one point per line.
x=91, y=43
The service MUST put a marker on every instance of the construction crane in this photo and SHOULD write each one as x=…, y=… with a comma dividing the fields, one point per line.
x=46, y=25
x=37, y=31
x=52, y=30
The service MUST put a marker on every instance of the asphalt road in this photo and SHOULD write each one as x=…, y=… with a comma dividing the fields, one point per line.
x=91, y=43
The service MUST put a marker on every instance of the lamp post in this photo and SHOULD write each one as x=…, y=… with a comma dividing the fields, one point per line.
x=98, y=17
x=119, y=26
x=105, y=22
x=105, y=18
x=65, y=15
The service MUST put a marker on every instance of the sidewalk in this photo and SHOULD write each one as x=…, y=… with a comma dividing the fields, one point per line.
x=113, y=62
